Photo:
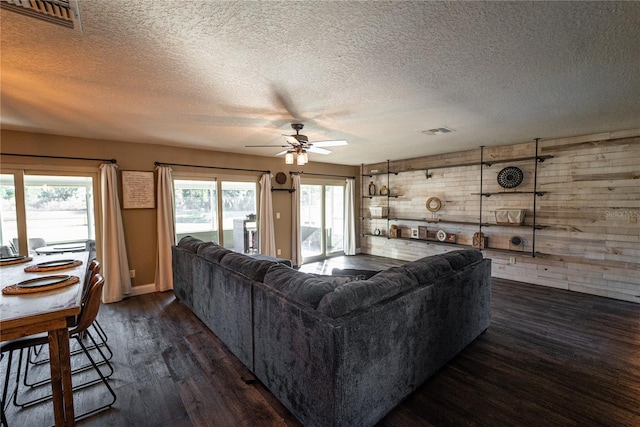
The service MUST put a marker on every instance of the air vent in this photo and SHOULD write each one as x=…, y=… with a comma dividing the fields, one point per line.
x=437, y=131
x=60, y=12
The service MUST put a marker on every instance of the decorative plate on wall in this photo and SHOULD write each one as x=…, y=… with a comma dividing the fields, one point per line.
x=510, y=177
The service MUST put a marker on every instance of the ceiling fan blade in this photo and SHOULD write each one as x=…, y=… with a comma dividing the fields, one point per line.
x=317, y=150
x=291, y=139
x=281, y=153
x=267, y=146
x=333, y=143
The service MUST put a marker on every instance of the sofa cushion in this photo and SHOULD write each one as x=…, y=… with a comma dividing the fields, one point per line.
x=428, y=269
x=354, y=272
x=338, y=280
x=252, y=268
x=190, y=243
x=365, y=293
x=298, y=286
x=212, y=251
x=459, y=259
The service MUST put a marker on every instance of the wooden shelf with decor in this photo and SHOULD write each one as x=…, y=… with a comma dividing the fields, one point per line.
x=509, y=191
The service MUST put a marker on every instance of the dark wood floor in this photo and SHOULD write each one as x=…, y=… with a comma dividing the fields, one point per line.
x=550, y=357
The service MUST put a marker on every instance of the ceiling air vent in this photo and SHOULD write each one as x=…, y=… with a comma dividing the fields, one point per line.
x=437, y=131
x=60, y=12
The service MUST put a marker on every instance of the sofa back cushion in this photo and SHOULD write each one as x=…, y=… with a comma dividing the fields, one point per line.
x=305, y=288
x=394, y=281
x=252, y=268
x=362, y=294
x=212, y=251
x=364, y=274
x=190, y=244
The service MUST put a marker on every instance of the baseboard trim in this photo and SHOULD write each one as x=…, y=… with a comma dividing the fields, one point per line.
x=141, y=290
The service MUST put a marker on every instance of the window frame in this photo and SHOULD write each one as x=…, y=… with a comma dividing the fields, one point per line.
x=19, y=170
x=219, y=178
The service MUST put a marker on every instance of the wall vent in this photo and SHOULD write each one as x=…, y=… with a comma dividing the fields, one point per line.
x=59, y=12
x=437, y=131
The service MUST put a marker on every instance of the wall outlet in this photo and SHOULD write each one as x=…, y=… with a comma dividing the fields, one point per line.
x=132, y=273
x=277, y=215
x=278, y=252
x=512, y=260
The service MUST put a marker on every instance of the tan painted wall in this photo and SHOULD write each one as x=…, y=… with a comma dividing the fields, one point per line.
x=591, y=239
x=140, y=224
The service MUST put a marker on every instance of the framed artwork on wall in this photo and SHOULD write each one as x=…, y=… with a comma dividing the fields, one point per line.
x=137, y=190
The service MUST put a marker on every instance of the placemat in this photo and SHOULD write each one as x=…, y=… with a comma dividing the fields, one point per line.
x=39, y=269
x=16, y=261
x=16, y=290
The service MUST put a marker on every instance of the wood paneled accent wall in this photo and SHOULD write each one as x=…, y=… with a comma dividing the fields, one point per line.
x=591, y=237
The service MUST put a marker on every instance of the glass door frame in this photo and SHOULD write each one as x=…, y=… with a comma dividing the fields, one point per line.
x=324, y=183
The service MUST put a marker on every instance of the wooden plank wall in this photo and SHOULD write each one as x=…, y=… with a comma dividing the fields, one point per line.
x=591, y=242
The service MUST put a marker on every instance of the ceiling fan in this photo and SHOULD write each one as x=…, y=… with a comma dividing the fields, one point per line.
x=298, y=145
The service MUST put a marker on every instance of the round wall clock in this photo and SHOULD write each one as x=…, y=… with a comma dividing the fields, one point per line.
x=281, y=178
x=510, y=177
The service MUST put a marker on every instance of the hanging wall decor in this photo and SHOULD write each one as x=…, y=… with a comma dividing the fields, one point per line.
x=510, y=177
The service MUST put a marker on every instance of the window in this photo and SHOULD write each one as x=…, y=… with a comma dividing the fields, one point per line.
x=199, y=211
x=196, y=209
x=48, y=208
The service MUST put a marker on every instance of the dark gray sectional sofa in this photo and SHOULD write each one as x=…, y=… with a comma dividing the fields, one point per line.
x=337, y=351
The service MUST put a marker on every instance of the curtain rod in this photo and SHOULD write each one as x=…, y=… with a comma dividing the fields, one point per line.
x=210, y=167
x=60, y=157
x=321, y=174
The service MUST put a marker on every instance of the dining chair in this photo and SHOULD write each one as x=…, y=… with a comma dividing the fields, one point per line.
x=33, y=353
x=6, y=251
x=88, y=313
x=36, y=242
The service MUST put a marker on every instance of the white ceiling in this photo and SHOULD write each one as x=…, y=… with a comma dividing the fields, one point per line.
x=221, y=75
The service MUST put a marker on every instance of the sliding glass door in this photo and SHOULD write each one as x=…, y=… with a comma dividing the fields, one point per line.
x=217, y=210
x=321, y=220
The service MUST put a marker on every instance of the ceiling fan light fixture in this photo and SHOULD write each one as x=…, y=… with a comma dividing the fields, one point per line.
x=288, y=158
x=303, y=159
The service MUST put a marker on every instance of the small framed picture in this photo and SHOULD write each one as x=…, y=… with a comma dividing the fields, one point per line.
x=415, y=233
x=422, y=232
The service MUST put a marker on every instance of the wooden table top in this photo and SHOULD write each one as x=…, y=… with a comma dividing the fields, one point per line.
x=27, y=314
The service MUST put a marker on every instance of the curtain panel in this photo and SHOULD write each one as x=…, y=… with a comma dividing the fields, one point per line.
x=165, y=229
x=296, y=235
x=349, y=218
x=266, y=238
x=115, y=265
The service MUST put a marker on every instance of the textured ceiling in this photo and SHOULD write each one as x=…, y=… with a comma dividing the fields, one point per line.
x=221, y=75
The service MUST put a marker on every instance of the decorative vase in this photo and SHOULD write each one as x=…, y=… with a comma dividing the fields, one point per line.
x=372, y=189
x=384, y=191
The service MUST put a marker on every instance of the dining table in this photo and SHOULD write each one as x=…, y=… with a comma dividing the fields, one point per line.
x=50, y=311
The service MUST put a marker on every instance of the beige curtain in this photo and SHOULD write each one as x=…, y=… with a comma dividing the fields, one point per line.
x=296, y=235
x=267, y=239
x=349, y=218
x=166, y=229
x=115, y=266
